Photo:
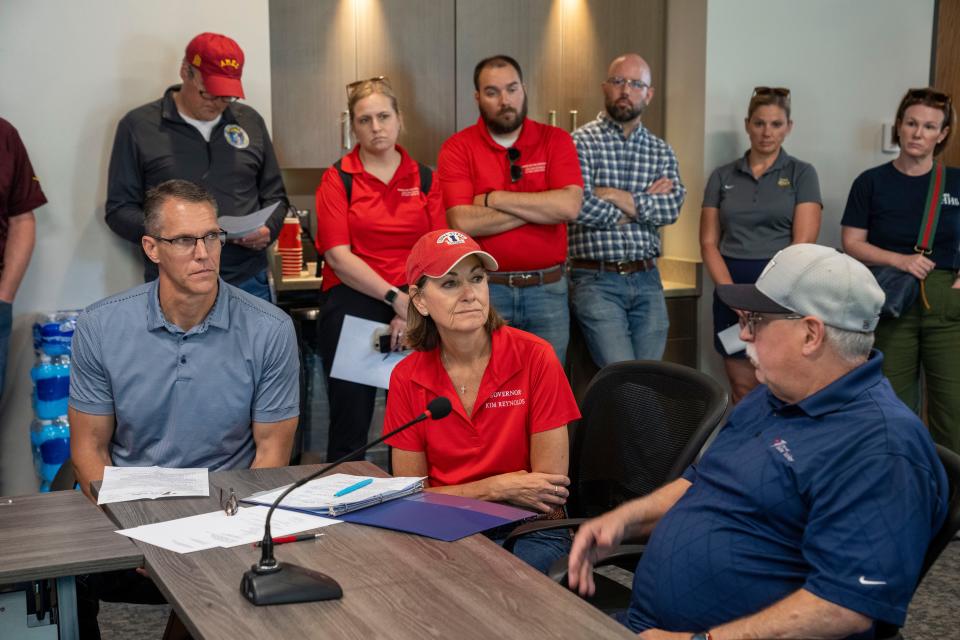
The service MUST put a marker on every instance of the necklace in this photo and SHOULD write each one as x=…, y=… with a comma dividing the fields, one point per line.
x=462, y=388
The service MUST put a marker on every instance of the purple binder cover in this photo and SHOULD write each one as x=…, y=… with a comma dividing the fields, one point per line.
x=438, y=516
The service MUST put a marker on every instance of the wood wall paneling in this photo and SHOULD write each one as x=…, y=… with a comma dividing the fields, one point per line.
x=527, y=30
x=947, y=66
x=412, y=43
x=312, y=58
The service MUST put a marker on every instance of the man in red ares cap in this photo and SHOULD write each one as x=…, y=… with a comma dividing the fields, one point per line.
x=198, y=131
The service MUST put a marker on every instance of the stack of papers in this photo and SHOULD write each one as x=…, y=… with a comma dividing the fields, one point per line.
x=317, y=496
x=217, y=529
x=121, y=484
x=239, y=226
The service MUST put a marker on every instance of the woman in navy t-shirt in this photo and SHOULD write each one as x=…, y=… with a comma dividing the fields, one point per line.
x=880, y=227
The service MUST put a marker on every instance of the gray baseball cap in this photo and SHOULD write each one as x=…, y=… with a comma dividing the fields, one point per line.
x=812, y=280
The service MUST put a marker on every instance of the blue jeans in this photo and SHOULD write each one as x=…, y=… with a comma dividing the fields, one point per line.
x=258, y=286
x=622, y=317
x=6, y=320
x=539, y=549
x=542, y=310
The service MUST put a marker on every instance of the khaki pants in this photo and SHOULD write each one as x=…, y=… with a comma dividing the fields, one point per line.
x=928, y=339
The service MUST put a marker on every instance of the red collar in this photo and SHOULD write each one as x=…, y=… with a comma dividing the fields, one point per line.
x=529, y=134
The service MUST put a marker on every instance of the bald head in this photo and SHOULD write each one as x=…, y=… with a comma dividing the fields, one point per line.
x=627, y=89
x=630, y=65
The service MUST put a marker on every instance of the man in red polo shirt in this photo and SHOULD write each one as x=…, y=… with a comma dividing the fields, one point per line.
x=20, y=194
x=513, y=184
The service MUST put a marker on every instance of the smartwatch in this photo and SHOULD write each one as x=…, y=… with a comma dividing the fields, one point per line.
x=391, y=295
x=703, y=635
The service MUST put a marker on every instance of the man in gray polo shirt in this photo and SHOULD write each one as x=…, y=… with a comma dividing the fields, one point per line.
x=186, y=370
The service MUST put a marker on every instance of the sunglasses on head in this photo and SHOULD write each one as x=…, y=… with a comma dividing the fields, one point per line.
x=356, y=84
x=783, y=92
x=516, y=171
x=929, y=95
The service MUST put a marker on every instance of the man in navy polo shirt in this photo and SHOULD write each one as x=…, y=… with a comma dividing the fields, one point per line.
x=810, y=514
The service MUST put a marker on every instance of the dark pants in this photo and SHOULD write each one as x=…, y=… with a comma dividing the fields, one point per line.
x=351, y=404
x=114, y=586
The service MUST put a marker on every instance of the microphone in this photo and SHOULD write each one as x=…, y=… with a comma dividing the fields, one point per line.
x=271, y=582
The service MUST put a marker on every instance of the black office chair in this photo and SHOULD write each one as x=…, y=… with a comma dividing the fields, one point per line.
x=950, y=527
x=66, y=478
x=643, y=423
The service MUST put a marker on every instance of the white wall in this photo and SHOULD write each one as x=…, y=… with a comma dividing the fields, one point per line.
x=847, y=64
x=69, y=71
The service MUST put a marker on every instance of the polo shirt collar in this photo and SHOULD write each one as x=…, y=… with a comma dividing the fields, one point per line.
x=839, y=392
x=219, y=315
x=168, y=108
x=613, y=126
x=504, y=364
x=743, y=164
x=529, y=135
x=352, y=164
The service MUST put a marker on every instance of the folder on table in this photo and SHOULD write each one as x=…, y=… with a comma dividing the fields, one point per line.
x=438, y=516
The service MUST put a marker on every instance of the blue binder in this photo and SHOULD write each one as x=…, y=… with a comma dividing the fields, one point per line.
x=438, y=516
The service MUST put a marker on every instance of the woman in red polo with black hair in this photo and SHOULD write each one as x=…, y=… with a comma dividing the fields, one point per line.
x=365, y=236
x=506, y=438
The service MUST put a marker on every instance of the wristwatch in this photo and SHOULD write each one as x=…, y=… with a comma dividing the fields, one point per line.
x=703, y=635
x=391, y=295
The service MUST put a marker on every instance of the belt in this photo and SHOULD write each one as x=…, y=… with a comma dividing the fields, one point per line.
x=521, y=279
x=623, y=267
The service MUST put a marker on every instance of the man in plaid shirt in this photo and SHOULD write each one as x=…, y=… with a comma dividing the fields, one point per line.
x=631, y=188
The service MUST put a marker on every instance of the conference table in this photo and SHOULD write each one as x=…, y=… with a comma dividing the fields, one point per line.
x=395, y=585
x=59, y=535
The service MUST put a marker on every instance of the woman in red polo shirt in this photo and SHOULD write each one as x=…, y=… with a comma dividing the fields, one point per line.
x=506, y=438
x=370, y=211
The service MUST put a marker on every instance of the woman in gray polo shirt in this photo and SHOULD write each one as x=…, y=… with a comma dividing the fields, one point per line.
x=753, y=207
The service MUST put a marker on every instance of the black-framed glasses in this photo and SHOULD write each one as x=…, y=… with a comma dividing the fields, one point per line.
x=187, y=244
x=356, y=84
x=203, y=92
x=230, y=504
x=618, y=82
x=931, y=95
x=516, y=171
x=754, y=319
x=783, y=92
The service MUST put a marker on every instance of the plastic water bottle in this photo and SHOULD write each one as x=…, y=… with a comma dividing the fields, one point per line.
x=52, y=332
x=51, y=379
x=50, y=441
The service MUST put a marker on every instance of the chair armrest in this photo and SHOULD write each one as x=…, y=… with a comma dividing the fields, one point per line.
x=622, y=554
x=540, y=525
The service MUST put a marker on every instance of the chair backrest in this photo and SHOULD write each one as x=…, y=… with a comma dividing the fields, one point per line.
x=643, y=423
x=939, y=542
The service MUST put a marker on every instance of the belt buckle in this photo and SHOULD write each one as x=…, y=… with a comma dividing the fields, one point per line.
x=622, y=267
x=523, y=277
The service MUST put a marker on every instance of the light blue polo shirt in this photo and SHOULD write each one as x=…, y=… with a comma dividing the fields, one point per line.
x=185, y=399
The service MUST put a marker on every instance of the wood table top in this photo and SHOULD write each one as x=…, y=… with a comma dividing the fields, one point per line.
x=395, y=585
x=56, y=534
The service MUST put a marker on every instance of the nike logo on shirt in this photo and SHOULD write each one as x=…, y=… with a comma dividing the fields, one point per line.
x=869, y=583
x=727, y=187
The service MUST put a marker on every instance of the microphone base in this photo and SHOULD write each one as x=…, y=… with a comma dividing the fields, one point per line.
x=286, y=584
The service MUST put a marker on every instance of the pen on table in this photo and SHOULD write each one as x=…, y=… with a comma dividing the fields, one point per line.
x=286, y=539
x=352, y=488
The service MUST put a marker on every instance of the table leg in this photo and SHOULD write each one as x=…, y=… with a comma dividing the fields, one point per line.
x=67, y=605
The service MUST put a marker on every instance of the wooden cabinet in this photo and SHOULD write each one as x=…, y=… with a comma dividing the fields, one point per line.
x=428, y=49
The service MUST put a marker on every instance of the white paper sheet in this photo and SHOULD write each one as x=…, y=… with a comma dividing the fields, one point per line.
x=239, y=226
x=357, y=361
x=730, y=339
x=319, y=493
x=217, y=529
x=121, y=484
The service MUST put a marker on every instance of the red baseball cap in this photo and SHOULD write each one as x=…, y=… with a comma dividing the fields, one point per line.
x=436, y=252
x=219, y=60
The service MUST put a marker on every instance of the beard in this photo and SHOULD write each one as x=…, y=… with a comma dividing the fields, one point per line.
x=624, y=111
x=752, y=354
x=503, y=127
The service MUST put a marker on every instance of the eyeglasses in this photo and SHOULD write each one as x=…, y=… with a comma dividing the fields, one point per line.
x=203, y=92
x=932, y=95
x=187, y=244
x=231, y=505
x=353, y=86
x=783, y=92
x=636, y=85
x=753, y=320
x=516, y=171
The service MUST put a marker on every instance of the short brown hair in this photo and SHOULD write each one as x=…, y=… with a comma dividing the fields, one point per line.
x=769, y=96
x=928, y=97
x=422, y=333
x=182, y=190
x=367, y=88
